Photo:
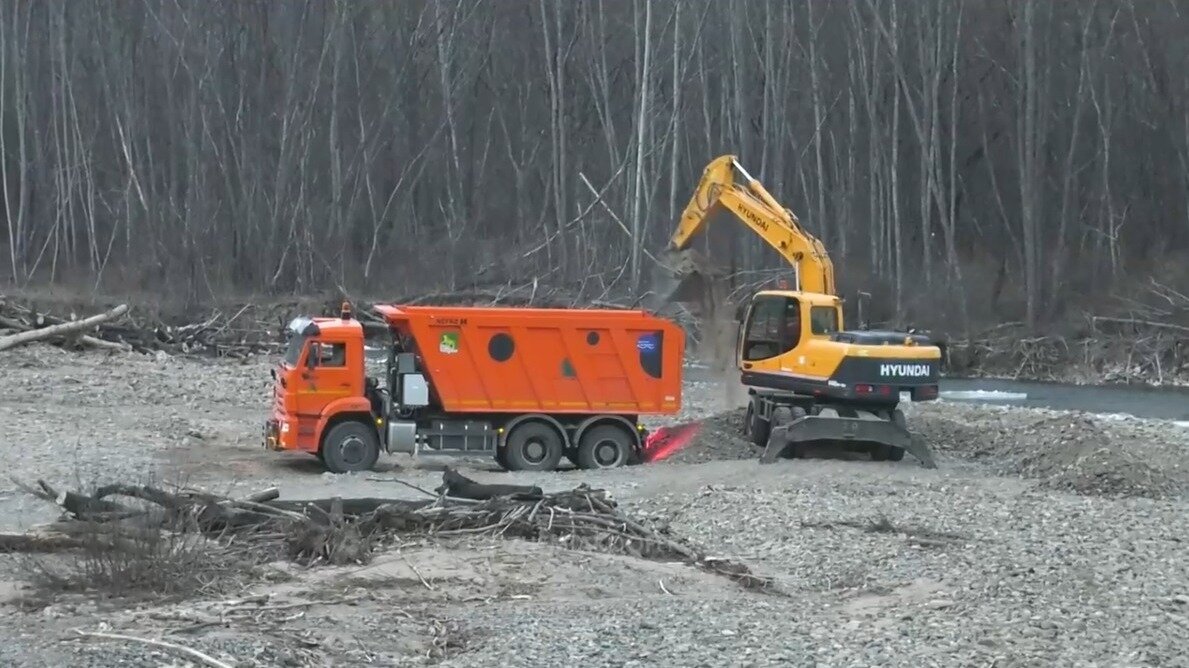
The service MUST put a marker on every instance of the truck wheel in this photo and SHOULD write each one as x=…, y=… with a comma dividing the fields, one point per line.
x=604, y=447
x=533, y=446
x=350, y=446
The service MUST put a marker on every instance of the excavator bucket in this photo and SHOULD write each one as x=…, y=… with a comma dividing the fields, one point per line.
x=885, y=439
x=690, y=279
x=682, y=277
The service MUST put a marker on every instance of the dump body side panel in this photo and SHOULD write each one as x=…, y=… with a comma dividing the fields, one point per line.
x=510, y=360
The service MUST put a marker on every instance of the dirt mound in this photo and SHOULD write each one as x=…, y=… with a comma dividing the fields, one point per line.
x=1080, y=461
x=721, y=437
x=1067, y=451
x=1064, y=451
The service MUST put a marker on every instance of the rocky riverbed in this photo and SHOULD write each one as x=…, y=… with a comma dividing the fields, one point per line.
x=1043, y=538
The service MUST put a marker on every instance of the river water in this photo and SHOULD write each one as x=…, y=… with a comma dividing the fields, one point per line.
x=1155, y=403
x=1151, y=403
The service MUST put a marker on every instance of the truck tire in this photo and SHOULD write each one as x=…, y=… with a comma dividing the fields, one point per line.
x=350, y=446
x=533, y=446
x=604, y=447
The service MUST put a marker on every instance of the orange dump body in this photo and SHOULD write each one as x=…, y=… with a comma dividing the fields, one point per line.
x=555, y=361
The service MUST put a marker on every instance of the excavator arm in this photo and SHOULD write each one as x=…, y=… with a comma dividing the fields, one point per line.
x=726, y=186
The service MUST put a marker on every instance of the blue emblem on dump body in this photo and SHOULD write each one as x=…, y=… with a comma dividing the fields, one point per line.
x=646, y=343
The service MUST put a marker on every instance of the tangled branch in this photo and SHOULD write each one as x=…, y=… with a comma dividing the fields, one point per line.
x=339, y=531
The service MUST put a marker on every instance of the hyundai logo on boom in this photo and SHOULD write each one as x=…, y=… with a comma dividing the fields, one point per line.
x=913, y=370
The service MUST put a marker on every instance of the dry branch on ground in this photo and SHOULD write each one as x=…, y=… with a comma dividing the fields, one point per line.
x=339, y=531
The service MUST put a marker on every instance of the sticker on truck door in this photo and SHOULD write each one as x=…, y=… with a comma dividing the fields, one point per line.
x=449, y=343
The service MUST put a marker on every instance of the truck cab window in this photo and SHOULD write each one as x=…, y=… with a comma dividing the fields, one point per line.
x=293, y=349
x=326, y=354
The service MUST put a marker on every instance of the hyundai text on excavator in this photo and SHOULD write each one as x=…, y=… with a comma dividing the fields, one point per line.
x=809, y=380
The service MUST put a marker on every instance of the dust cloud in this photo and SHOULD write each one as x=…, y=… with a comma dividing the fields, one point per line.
x=720, y=356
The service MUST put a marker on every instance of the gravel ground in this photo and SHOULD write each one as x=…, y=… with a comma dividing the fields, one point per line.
x=1043, y=538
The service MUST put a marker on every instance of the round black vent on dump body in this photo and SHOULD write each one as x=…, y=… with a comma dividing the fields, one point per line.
x=501, y=347
x=592, y=338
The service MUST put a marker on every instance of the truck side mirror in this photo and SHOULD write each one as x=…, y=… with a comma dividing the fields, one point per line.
x=312, y=356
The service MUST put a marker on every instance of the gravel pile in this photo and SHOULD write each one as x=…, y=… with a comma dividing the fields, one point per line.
x=1066, y=451
x=1062, y=450
x=913, y=568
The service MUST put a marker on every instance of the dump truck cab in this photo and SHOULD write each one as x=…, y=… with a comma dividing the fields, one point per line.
x=321, y=379
x=527, y=386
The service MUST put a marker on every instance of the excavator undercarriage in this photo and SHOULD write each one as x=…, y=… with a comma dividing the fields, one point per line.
x=789, y=426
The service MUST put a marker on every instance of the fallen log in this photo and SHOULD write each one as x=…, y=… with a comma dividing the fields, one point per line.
x=459, y=486
x=63, y=329
x=81, y=506
x=33, y=542
x=84, y=339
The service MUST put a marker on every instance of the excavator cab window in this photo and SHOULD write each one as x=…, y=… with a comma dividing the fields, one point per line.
x=773, y=327
x=823, y=320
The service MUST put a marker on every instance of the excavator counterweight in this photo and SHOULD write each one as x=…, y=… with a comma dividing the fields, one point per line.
x=809, y=380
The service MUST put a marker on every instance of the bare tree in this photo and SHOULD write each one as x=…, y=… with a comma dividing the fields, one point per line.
x=1019, y=153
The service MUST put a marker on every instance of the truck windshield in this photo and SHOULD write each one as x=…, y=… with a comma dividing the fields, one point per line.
x=293, y=349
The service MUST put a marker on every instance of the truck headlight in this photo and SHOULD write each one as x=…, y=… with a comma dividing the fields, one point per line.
x=284, y=427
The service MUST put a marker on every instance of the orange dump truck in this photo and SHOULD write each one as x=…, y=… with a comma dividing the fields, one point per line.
x=527, y=386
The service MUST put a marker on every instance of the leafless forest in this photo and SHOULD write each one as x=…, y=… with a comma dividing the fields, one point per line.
x=984, y=160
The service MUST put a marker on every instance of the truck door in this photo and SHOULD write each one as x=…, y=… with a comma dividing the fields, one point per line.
x=325, y=376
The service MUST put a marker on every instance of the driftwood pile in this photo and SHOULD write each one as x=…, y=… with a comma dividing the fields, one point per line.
x=1142, y=338
x=340, y=531
x=237, y=332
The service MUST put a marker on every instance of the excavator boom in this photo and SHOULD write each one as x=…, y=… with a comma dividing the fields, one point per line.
x=726, y=187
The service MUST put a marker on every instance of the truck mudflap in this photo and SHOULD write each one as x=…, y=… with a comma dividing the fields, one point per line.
x=873, y=431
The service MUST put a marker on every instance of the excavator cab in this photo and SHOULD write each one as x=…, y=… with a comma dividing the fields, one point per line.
x=787, y=332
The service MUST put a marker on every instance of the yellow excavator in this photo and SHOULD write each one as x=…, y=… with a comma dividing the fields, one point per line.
x=810, y=382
